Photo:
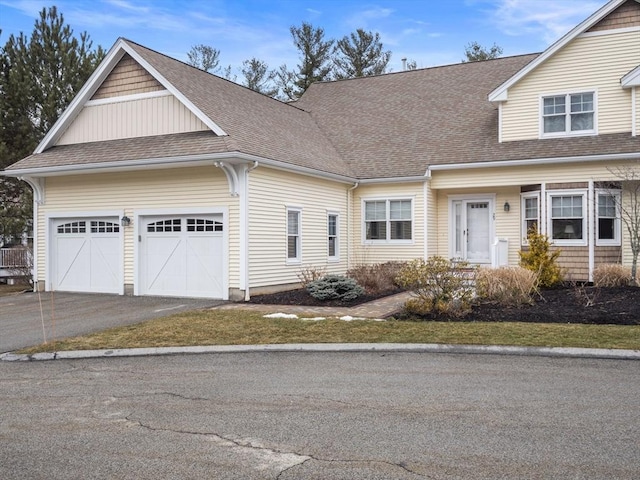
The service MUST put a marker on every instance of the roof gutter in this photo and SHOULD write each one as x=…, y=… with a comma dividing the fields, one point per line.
x=170, y=162
x=412, y=179
x=537, y=161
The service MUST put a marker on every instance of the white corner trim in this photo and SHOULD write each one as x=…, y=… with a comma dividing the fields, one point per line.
x=127, y=98
x=611, y=31
x=634, y=111
x=500, y=93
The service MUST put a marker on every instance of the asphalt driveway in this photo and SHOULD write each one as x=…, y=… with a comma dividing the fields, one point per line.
x=68, y=314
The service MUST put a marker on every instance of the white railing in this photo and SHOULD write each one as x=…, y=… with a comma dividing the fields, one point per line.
x=15, y=257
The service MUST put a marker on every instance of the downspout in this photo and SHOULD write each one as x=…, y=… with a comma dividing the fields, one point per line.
x=349, y=213
x=245, y=253
x=591, y=226
x=634, y=112
x=426, y=189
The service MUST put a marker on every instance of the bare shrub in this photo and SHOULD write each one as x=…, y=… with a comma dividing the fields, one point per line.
x=376, y=278
x=584, y=294
x=310, y=274
x=507, y=286
x=440, y=286
x=611, y=275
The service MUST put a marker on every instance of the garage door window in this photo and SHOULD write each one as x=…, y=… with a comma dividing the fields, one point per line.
x=203, y=225
x=172, y=225
x=104, y=227
x=73, y=227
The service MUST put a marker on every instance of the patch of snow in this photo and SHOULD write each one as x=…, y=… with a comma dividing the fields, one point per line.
x=314, y=319
x=281, y=315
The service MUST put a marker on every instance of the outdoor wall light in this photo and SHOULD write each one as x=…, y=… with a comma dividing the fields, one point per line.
x=507, y=207
x=125, y=221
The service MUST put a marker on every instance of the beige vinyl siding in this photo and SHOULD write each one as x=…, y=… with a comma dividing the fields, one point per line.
x=127, y=78
x=271, y=192
x=524, y=175
x=588, y=62
x=506, y=224
x=132, y=191
x=433, y=238
x=158, y=115
x=374, y=252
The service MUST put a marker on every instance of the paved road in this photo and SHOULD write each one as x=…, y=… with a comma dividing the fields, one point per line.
x=320, y=416
x=68, y=314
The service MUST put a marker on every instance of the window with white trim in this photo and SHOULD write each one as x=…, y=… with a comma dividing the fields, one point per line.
x=570, y=114
x=530, y=214
x=294, y=251
x=608, y=218
x=332, y=236
x=568, y=218
x=388, y=220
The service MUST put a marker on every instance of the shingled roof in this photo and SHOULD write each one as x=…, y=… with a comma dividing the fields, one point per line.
x=387, y=126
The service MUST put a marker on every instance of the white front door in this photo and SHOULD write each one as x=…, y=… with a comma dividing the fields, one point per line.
x=471, y=230
x=182, y=256
x=86, y=255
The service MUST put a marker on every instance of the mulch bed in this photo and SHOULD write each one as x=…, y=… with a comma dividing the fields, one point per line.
x=302, y=297
x=620, y=305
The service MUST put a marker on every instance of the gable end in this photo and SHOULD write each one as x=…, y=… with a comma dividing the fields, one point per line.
x=127, y=78
x=625, y=16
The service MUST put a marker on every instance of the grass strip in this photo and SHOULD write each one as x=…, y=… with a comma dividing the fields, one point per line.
x=237, y=327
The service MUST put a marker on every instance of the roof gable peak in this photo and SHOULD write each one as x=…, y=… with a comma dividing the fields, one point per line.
x=113, y=57
x=501, y=93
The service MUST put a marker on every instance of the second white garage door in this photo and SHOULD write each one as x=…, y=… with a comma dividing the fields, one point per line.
x=182, y=256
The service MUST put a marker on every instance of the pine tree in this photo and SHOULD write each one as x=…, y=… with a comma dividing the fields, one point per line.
x=315, y=57
x=39, y=77
x=359, y=55
x=257, y=77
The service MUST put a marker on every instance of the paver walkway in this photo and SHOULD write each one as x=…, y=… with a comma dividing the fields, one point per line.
x=380, y=308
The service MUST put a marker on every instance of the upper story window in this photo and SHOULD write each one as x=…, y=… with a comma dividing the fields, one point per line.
x=570, y=114
x=388, y=220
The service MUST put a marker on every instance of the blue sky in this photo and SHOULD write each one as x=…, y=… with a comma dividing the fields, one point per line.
x=431, y=32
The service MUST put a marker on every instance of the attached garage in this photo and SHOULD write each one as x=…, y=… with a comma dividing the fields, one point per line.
x=86, y=255
x=182, y=256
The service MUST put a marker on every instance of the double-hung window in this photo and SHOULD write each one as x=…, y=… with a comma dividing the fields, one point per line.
x=388, y=220
x=570, y=114
x=332, y=236
x=294, y=250
x=608, y=219
x=568, y=218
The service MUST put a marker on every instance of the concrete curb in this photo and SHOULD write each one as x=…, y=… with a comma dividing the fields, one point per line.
x=597, y=353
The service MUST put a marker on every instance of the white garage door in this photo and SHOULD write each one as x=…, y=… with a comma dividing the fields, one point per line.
x=86, y=255
x=182, y=256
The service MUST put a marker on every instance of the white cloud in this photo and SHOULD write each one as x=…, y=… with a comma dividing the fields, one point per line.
x=548, y=18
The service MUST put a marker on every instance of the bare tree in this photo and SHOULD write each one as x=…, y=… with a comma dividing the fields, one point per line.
x=258, y=77
x=627, y=203
x=204, y=57
x=477, y=53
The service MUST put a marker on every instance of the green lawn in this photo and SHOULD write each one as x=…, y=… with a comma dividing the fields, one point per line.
x=237, y=327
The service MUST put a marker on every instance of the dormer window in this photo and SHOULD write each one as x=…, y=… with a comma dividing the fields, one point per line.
x=569, y=114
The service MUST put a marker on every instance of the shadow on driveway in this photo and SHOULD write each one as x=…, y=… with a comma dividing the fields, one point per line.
x=21, y=316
